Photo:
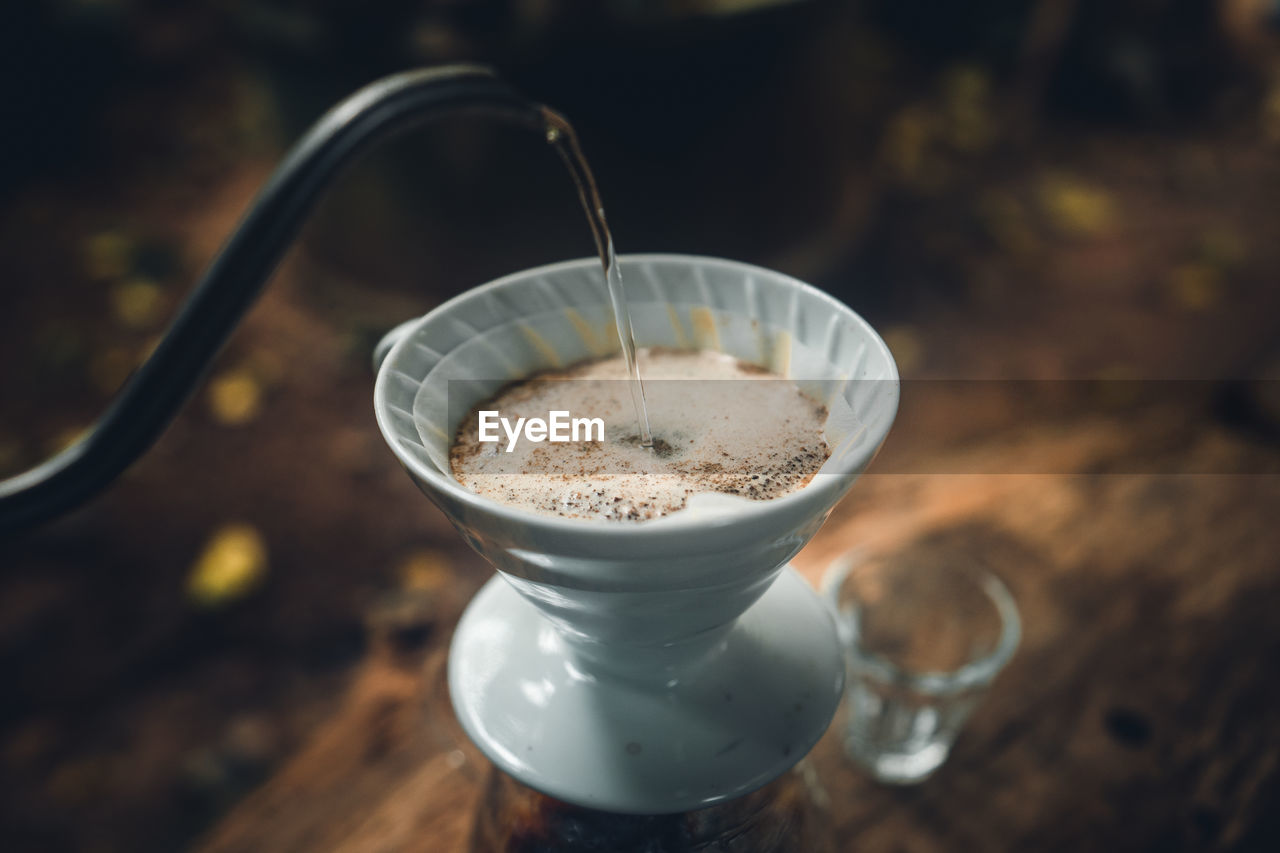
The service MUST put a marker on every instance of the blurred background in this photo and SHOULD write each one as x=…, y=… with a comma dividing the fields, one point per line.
x=1034, y=189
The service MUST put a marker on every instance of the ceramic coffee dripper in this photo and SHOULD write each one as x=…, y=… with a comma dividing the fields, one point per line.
x=640, y=667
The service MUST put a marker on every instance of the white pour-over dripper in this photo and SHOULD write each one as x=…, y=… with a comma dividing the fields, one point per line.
x=649, y=667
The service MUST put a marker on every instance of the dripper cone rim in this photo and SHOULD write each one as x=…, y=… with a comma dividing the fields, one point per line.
x=822, y=490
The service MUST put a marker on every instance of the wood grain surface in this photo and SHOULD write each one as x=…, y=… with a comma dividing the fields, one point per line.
x=1138, y=713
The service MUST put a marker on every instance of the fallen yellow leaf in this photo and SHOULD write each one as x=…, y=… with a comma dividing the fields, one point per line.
x=425, y=570
x=235, y=397
x=233, y=562
x=136, y=303
x=1076, y=208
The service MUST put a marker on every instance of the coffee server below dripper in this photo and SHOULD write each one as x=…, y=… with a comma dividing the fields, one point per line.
x=782, y=817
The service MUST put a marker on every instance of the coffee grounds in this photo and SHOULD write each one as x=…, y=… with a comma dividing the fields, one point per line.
x=720, y=425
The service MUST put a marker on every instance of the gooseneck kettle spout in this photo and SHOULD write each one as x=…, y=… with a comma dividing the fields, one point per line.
x=156, y=391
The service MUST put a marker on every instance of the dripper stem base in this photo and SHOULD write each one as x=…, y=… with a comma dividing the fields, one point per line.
x=734, y=720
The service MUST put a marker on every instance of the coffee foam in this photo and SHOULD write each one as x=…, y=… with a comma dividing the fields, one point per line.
x=721, y=426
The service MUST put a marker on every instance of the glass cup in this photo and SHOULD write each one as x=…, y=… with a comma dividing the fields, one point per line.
x=924, y=635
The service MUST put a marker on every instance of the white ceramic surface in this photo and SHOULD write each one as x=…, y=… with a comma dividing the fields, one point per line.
x=719, y=725
x=641, y=615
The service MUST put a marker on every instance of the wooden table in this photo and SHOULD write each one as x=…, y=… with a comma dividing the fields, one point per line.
x=1140, y=711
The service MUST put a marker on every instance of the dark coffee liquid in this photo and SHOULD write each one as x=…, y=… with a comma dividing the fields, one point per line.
x=781, y=817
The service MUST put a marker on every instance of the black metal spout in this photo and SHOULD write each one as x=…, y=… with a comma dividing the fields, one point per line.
x=156, y=391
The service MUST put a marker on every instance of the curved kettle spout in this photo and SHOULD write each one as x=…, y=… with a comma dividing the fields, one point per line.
x=157, y=390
